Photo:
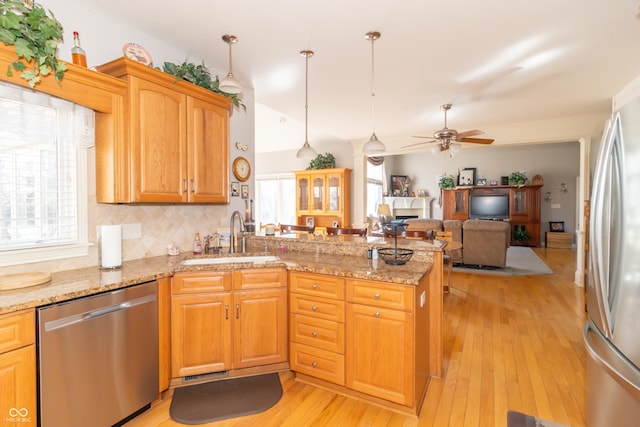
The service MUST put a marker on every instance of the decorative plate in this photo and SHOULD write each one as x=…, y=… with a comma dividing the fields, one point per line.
x=137, y=53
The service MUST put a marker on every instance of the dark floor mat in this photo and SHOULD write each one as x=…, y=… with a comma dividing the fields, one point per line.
x=518, y=419
x=219, y=400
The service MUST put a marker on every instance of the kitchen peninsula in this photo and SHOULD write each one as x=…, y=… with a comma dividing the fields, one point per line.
x=379, y=326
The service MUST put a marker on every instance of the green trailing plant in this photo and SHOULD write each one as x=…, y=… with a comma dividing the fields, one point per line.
x=199, y=75
x=322, y=161
x=35, y=33
x=517, y=179
x=520, y=234
x=447, y=181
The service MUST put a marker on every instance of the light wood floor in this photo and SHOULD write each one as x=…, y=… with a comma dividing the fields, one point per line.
x=509, y=343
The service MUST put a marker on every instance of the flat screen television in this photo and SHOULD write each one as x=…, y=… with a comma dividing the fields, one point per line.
x=489, y=206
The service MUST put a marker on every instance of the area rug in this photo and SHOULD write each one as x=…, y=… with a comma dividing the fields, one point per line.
x=518, y=419
x=521, y=261
x=219, y=400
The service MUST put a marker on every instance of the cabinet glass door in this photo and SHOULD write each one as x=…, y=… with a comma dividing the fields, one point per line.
x=520, y=202
x=334, y=193
x=303, y=194
x=318, y=193
x=459, y=202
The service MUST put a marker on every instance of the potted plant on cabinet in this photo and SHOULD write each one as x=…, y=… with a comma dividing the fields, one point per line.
x=520, y=234
x=35, y=33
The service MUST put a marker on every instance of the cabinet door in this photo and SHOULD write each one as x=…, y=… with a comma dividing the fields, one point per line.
x=317, y=193
x=18, y=380
x=303, y=192
x=158, y=133
x=200, y=333
x=519, y=209
x=379, y=353
x=260, y=327
x=208, y=146
x=455, y=204
x=334, y=196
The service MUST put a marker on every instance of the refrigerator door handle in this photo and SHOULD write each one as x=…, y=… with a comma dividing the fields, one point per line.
x=614, y=363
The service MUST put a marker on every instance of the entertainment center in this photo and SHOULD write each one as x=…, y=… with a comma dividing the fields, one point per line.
x=518, y=205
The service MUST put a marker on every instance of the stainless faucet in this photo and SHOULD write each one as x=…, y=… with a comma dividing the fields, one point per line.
x=232, y=243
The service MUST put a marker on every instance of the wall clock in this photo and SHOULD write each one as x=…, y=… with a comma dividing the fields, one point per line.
x=241, y=168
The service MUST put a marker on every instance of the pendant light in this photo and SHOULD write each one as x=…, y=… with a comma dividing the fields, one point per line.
x=230, y=84
x=306, y=152
x=374, y=145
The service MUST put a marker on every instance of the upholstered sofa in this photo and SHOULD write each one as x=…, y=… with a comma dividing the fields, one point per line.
x=484, y=242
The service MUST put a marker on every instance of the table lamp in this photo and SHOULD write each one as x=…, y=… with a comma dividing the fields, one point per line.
x=384, y=213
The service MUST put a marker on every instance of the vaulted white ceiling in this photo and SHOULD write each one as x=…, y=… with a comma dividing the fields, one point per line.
x=497, y=61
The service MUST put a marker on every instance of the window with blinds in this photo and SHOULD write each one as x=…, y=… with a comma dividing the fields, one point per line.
x=40, y=160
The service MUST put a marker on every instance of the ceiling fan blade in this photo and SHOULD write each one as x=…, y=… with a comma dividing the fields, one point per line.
x=417, y=143
x=418, y=136
x=476, y=140
x=474, y=132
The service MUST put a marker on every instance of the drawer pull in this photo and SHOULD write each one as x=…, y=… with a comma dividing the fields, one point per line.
x=314, y=334
x=314, y=308
x=314, y=286
x=226, y=311
x=376, y=314
x=376, y=295
x=314, y=363
x=237, y=311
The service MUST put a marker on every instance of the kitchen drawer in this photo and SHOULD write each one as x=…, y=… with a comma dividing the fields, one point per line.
x=192, y=283
x=318, y=307
x=319, y=333
x=17, y=330
x=316, y=284
x=260, y=278
x=379, y=294
x=318, y=363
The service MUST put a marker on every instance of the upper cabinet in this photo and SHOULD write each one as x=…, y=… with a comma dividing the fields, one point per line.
x=176, y=141
x=323, y=195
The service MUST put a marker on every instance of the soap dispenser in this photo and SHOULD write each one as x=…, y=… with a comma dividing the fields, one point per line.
x=197, y=245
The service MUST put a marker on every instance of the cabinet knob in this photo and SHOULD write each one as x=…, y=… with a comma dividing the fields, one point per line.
x=314, y=334
x=376, y=295
x=314, y=286
x=376, y=314
x=226, y=311
x=314, y=308
x=314, y=363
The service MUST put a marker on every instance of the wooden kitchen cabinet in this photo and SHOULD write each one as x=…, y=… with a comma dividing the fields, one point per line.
x=380, y=340
x=325, y=196
x=316, y=325
x=228, y=320
x=176, y=141
x=18, y=369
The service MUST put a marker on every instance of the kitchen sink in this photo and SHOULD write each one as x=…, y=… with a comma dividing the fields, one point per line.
x=231, y=260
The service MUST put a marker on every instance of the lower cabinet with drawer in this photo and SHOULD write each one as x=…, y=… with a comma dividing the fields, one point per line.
x=18, y=369
x=374, y=340
x=316, y=325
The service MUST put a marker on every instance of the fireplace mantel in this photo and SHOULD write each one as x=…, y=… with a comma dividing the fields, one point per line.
x=420, y=206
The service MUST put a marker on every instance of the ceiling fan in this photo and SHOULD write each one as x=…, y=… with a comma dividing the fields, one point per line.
x=446, y=136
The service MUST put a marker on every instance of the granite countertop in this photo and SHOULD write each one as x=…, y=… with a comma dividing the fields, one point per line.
x=67, y=285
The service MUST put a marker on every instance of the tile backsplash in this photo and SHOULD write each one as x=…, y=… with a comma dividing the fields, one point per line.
x=160, y=225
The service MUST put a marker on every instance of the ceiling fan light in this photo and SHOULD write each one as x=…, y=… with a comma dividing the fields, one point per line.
x=435, y=150
x=306, y=152
x=373, y=146
x=455, y=148
x=230, y=84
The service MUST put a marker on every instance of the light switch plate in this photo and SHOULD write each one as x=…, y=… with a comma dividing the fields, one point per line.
x=555, y=205
x=423, y=298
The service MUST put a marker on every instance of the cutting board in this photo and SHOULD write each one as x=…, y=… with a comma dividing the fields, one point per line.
x=23, y=280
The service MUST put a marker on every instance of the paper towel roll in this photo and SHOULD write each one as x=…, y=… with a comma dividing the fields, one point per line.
x=110, y=246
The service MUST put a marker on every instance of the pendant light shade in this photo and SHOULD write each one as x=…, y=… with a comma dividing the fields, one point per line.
x=306, y=152
x=230, y=84
x=374, y=145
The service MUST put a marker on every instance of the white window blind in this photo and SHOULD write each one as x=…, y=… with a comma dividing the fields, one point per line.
x=41, y=205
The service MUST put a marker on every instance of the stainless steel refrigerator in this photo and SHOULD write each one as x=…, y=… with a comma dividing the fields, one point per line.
x=612, y=331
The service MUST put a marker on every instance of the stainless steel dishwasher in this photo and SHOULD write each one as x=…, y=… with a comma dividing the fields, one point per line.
x=98, y=357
